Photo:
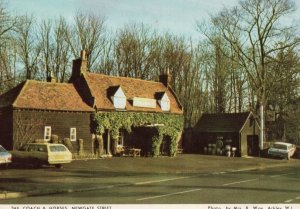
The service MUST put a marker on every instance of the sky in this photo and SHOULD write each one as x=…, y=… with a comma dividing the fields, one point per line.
x=178, y=17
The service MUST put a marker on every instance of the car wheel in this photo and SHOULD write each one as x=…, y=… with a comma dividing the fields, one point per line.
x=58, y=166
x=37, y=165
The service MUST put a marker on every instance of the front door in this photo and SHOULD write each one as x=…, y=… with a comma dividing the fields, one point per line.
x=252, y=145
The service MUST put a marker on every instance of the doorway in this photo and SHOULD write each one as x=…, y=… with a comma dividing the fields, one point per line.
x=252, y=145
x=165, y=146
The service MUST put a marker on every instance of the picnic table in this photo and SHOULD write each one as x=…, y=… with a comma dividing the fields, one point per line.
x=134, y=152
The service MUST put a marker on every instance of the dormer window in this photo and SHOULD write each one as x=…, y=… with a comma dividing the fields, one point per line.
x=119, y=99
x=164, y=102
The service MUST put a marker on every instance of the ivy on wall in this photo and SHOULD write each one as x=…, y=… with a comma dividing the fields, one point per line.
x=166, y=125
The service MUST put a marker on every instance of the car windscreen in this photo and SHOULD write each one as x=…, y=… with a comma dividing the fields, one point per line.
x=57, y=148
x=279, y=146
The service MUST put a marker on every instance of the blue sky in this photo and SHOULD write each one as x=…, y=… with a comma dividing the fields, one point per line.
x=176, y=16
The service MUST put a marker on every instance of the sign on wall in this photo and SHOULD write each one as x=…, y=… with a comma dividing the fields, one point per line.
x=144, y=102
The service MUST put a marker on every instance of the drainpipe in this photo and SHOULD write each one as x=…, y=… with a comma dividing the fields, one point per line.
x=262, y=127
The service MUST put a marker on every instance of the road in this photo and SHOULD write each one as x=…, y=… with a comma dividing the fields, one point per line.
x=266, y=184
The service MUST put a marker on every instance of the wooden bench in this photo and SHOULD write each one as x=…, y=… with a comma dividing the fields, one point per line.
x=134, y=152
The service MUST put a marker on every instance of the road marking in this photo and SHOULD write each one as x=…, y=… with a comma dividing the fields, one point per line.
x=297, y=198
x=163, y=180
x=287, y=201
x=165, y=195
x=239, y=182
x=285, y=174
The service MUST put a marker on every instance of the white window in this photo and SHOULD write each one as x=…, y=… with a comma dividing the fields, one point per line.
x=119, y=99
x=121, y=138
x=47, y=133
x=72, y=134
x=164, y=102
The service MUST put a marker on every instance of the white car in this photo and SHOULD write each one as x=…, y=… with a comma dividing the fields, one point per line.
x=5, y=156
x=42, y=154
x=282, y=150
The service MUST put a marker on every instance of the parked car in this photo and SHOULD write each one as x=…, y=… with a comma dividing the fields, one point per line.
x=39, y=154
x=282, y=150
x=5, y=157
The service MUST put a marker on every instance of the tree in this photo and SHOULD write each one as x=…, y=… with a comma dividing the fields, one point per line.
x=7, y=49
x=55, y=48
x=285, y=95
x=88, y=33
x=253, y=30
x=136, y=51
x=28, y=48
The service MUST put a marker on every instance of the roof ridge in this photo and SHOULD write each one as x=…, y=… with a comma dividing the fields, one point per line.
x=121, y=77
x=45, y=82
x=228, y=113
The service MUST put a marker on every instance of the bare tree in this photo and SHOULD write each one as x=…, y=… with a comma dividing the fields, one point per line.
x=136, y=51
x=88, y=33
x=55, y=48
x=253, y=31
x=7, y=49
x=28, y=48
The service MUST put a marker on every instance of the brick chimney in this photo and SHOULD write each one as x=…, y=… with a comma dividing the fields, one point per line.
x=166, y=78
x=80, y=65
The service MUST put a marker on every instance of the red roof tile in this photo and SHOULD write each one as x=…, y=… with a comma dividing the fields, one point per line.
x=99, y=85
x=50, y=96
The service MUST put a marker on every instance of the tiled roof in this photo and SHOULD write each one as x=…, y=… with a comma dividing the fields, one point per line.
x=49, y=96
x=100, y=86
x=224, y=122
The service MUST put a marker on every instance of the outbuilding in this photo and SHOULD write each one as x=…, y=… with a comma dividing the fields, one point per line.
x=214, y=133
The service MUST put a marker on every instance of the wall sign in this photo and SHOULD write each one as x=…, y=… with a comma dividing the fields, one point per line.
x=144, y=102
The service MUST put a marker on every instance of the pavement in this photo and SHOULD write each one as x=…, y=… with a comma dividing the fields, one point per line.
x=81, y=175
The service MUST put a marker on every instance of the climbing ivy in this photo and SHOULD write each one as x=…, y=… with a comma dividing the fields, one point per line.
x=167, y=124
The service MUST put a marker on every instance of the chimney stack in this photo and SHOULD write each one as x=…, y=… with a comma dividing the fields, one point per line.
x=80, y=64
x=166, y=78
x=51, y=78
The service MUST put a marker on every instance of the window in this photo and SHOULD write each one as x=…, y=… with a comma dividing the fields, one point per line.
x=164, y=102
x=121, y=138
x=47, y=133
x=57, y=148
x=72, y=134
x=119, y=99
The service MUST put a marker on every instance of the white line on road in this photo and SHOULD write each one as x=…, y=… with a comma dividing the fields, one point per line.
x=165, y=195
x=239, y=182
x=285, y=174
x=297, y=198
x=287, y=201
x=162, y=180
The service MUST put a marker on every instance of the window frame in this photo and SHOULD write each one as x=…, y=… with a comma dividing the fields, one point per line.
x=120, y=142
x=46, y=133
x=73, y=139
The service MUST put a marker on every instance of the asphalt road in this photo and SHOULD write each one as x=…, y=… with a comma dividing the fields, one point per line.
x=263, y=185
